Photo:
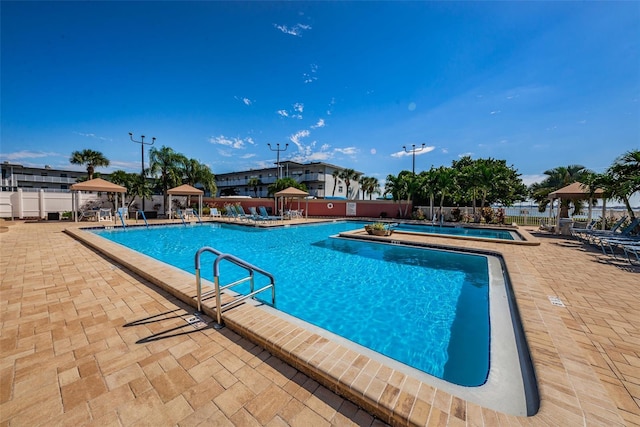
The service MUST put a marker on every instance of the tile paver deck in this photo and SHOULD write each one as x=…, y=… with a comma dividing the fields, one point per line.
x=84, y=341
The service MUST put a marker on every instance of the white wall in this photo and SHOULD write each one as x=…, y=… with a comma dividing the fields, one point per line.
x=37, y=204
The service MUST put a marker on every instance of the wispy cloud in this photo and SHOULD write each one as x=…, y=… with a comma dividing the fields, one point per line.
x=311, y=77
x=296, y=30
x=244, y=100
x=319, y=124
x=295, y=113
x=468, y=153
x=350, y=151
x=404, y=153
x=93, y=135
x=296, y=137
x=25, y=154
x=237, y=143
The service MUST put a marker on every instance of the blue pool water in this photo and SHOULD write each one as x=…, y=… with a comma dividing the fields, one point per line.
x=484, y=233
x=428, y=309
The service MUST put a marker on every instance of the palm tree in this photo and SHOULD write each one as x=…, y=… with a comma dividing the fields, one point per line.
x=194, y=172
x=135, y=184
x=622, y=179
x=283, y=183
x=93, y=159
x=557, y=178
x=165, y=163
x=347, y=175
x=336, y=177
x=402, y=187
x=254, y=182
x=371, y=185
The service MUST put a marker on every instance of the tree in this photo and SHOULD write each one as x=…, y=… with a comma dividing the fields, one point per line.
x=254, y=183
x=402, y=187
x=135, y=184
x=557, y=178
x=621, y=180
x=283, y=183
x=445, y=182
x=194, y=172
x=165, y=164
x=336, y=177
x=348, y=175
x=93, y=159
x=369, y=184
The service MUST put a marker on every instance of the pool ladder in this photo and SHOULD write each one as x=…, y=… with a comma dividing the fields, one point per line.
x=251, y=269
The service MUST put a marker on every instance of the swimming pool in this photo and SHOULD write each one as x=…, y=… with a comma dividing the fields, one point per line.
x=425, y=308
x=481, y=233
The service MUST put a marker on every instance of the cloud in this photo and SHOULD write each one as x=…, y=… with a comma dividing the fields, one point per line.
x=404, y=153
x=244, y=100
x=248, y=156
x=495, y=112
x=348, y=150
x=296, y=30
x=296, y=113
x=93, y=135
x=310, y=76
x=530, y=179
x=25, y=154
x=373, y=151
x=237, y=143
x=469, y=153
x=296, y=137
x=319, y=124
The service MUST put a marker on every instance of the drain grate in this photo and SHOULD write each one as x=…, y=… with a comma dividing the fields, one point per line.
x=556, y=301
x=196, y=321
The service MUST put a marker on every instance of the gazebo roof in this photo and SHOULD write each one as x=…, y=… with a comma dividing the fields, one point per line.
x=291, y=192
x=98, y=184
x=185, y=190
x=576, y=190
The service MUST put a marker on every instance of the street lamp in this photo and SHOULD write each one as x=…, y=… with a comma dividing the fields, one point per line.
x=142, y=144
x=278, y=150
x=414, y=150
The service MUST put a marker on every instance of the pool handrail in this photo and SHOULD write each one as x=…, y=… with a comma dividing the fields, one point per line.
x=195, y=212
x=144, y=217
x=216, y=280
x=119, y=212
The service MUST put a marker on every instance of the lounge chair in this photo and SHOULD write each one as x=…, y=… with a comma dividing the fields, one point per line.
x=596, y=236
x=543, y=225
x=255, y=215
x=265, y=216
x=231, y=212
x=632, y=249
x=215, y=213
x=242, y=214
x=591, y=234
x=105, y=215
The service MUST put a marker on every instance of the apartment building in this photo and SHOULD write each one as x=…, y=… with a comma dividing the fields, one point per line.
x=28, y=178
x=317, y=176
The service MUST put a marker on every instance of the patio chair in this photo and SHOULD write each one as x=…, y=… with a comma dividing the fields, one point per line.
x=265, y=216
x=215, y=213
x=242, y=214
x=255, y=215
x=188, y=213
x=104, y=215
x=122, y=213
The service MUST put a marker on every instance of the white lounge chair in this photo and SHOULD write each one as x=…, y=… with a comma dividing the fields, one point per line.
x=215, y=213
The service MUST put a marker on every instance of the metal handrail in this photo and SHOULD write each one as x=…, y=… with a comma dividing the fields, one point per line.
x=216, y=280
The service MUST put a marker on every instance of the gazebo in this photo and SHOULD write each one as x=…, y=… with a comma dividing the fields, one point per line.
x=579, y=191
x=96, y=184
x=185, y=190
x=293, y=193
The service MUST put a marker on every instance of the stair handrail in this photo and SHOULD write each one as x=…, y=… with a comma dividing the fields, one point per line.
x=216, y=279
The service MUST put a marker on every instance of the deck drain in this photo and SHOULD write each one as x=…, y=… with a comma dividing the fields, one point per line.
x=556, y=301
x=196, y=322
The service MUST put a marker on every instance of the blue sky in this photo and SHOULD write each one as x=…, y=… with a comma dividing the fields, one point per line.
x=539, y=84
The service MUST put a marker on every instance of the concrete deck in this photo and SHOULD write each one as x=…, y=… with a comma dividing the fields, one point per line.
x=84, y=341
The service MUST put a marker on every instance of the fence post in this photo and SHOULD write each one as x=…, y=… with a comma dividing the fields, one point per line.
x=41, y=204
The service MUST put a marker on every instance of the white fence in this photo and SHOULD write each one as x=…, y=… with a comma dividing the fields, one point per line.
x=39, y=204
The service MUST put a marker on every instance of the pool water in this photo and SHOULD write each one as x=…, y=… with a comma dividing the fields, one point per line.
x=484, y=233
x=425, y=308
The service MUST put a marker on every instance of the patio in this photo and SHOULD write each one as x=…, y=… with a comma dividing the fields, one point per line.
x=84, y=341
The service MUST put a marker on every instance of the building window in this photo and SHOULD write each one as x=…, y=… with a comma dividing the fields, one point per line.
x=64, y=187
x=340, y=189
x=319, y=186
x=63, y=175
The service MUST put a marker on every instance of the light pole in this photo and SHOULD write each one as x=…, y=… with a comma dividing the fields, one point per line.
x=142, y=144
x=414, y=150
x=278, y=158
